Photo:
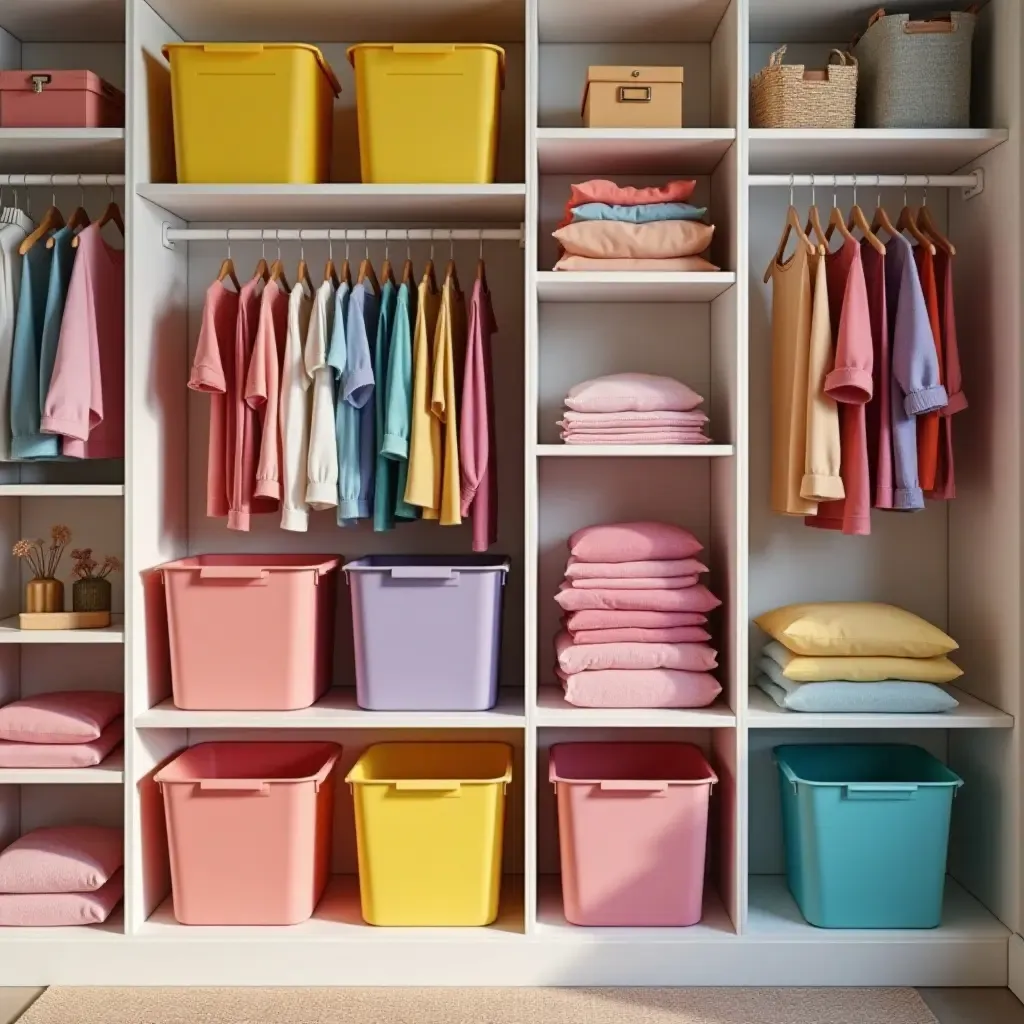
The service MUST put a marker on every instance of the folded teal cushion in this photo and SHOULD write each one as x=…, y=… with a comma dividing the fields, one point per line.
x=887, y=698
x=643, y=214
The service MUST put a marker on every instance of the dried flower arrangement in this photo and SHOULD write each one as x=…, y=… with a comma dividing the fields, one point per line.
x=44, y=561
x=87, y=568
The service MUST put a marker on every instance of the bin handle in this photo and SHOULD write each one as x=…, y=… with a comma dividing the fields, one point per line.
x=232, y=47
x=634, y=786
x=236, y=786
x=428, y=786
x=423, y=572
x=251, y=573
x=423, y=47
x=876, y=791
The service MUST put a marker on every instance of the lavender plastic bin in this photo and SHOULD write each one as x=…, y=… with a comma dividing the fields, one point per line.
x=427, y=631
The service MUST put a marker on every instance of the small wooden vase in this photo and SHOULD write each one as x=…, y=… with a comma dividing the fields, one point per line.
x=44, y=595
x=91, y=596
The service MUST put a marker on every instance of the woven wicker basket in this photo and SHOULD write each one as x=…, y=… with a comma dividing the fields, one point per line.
x=785, y=96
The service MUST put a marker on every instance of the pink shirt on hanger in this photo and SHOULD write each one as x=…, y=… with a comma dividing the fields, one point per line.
x=85, y=403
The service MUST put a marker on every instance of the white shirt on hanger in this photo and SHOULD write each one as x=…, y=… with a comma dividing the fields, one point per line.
x=296, y=407
x=322, y=467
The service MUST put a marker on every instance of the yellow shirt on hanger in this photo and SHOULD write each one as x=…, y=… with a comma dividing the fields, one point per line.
x=451, y=329
x=423, y=486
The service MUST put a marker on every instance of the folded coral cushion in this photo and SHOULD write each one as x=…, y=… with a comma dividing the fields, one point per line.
x=679, y=265
x=640, y=688
x=600, y=190
x=595, y=619
x=631, y=542
x=62, y=755
x=62, y=909
x=884, y=698
x=696, y=598
x=632, y=420
x=631, y=392
x=575, y=657
x=609, y=239
x=577, y=569
x=636, y=583
x=66, y=717
x=634, y=634
x=864, y=669
x=642, y=214
x=67, y=858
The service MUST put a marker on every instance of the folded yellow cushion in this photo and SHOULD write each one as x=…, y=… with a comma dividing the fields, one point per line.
x=855, y=628
x=861, y=669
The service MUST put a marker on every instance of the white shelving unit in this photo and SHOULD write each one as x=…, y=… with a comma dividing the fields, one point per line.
x=954, y=564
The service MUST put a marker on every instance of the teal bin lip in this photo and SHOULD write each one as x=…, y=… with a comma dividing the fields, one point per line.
x=800, y=775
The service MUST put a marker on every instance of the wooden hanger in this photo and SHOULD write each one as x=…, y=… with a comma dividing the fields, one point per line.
x=77, y=221
x=793, y=226
x=813, y=224
x=386, y=273
x=926, y=222
x=366, y=273
x=428, y=273
x=262, y=271
x=52, y=221
x=302, y=274
x=859, y=220
x=330, y=271
x=227, y=268
x=908, y=224
x=277, y=271
x=481, y=269
x=881, y=221
x=112, y=214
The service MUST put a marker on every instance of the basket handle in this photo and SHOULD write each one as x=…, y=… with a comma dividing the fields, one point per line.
x=428, y=786
x=775, y=60
x=232, y=47
x=236, y=786
x=876, y=791
x=246, y=573
x=634, y=786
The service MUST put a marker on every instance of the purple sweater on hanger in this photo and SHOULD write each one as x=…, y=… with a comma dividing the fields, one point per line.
x=915, y=367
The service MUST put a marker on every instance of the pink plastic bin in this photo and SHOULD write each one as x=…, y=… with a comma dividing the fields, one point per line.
x=250, y=632
x=633, y=826
x=59, y=99
x=249, y=830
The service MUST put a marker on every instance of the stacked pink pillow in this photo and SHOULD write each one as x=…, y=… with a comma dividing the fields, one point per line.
x=634, y=633
x=633, y=408
x=73, y=729
x=57, y=877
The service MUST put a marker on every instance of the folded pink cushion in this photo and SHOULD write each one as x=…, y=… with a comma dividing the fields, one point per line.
x=632, y=429
x=594, y=619
x=62, y=909
x=62, y=755
x=631, y=392
x=575, y=657
x=640, y=688
x=690, y=599
x=637, y=583
x=676, y=265
x=632, y=542
x=577, y=569
x=631, y=634
x=664, y=437
x=635, y=420
x=611, y=239
x=601, y=190
x=67, y=717
x=67, y=858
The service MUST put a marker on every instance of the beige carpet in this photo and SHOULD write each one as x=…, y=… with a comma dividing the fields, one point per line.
x=478, y=1006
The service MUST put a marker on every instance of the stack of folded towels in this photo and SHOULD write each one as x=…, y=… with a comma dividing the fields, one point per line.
x=634, y=631
x=57, y=877
x=75, y=729
x=855, y=657
x=633, y=408
x=608, y=227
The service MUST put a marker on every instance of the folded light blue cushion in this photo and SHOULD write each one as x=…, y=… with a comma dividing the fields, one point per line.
x=888, y=698
x=643, y=214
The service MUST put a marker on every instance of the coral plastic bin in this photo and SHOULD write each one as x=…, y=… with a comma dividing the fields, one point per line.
x=250, y=632
x=428, y=112
x=252, y=112
x=429, y=824
x=632, y=829
x=249, y=830
x=427, y=631
x=59, y=99
x=866, y=829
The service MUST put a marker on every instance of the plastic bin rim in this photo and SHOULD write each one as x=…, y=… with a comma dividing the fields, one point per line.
x=359, y=565
x=255, y=47
x=432, y=48
x=792, y=777
x=506, y=777
x=711, y=779
x=321, y=564
x=163, y=776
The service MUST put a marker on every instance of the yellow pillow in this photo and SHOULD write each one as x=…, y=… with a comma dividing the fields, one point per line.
x=855, y=628
x=863, y=669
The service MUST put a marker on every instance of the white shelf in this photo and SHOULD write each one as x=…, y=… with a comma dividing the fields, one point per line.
x=112, y=930
x=338, y=918
x=62, y=150
x=972, y=713
x=77, y=21
x=554, y=710
x=353, y=203
x=869, y=150
x=109, y=772
x=338, y=710
x=636, y=451
x=61, y=490
x=775, y=915
x=597, y=151
x=10, y=633
x=639, y=21
x=638, y=286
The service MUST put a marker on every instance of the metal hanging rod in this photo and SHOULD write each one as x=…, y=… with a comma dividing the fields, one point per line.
x=974, y=180
x=61, y=180
x=342, y=234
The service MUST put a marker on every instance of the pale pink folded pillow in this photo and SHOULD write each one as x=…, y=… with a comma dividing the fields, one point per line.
x=678, y=265
x=632, y=392
x=632, y=542
x=633, y=420
x=635, y=437
x=640, y=688
x=75, y=716
x=595, y=619
x=632, y=634
x=62, y=755
x=66, y=858
x=577, y=569
x=576, y=657
x=696, y=598
x=636, y=583
x=61, y=909
x=612, y=239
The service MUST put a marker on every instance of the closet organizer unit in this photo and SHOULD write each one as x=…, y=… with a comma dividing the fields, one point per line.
x=956, y=563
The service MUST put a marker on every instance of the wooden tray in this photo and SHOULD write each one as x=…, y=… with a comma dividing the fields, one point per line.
x=64, y=620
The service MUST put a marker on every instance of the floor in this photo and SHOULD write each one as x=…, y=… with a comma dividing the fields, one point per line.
x=950, y=1005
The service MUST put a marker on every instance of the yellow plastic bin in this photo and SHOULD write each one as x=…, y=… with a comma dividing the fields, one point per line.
x=252, y=112
x=429, y=824
x=428, y=112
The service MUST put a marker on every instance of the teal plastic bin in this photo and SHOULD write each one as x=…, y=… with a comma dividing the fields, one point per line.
x=866, y=828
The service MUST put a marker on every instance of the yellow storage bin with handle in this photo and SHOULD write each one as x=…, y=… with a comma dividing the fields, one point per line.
x=429, y=825
x=252, y=112
x=428, y=112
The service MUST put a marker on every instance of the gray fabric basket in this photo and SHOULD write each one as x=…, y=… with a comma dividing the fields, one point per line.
x=911, y=77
